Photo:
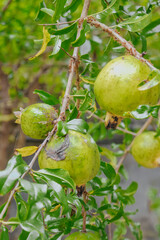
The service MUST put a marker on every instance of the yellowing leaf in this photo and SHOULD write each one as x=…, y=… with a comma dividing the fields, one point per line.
x=46, y=39
x=85, y=80
x=55, y=208
x=27, y=151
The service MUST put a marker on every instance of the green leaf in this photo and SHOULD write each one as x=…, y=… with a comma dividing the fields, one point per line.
x=57, y=236
x=33, y=235
x=57, y=46
x=112, y=8
x=72, y=6
x=145, y=111
x=62, y=129
x=62, y=30
x=4, y=233
x=46, y=97
x=22, y=207
x=37, y=191
x=136, y=23
x=152, y=28
x=73, y=114
x=15, y=168
x=40, y=14
x=82, y=38
x=50, y=12
x=117, y=216
x=34, y=224
x=59, y=176
x=59, y=9
x=108, y=170
x=130, y=191
x=78, y=125
x=152, y=81
x=46, y=40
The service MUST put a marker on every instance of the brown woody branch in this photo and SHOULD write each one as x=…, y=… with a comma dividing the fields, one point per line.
x=117, y=37
x=72, y=66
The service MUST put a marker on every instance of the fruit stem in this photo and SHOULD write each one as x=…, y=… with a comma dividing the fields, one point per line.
x=112, y=121
x=84, y=213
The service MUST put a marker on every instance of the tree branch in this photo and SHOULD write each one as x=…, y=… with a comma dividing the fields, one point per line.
x=4, y=9
x=116, y=36
x=72, y=65
x=74, y=59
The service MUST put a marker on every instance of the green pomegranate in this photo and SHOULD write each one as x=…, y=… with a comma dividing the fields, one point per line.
x=37, y=120
x=146, y=149
x=116, y=87
x=76, y=152
x=83, y=236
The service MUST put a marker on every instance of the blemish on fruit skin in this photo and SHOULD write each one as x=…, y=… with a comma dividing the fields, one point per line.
x=82, y=159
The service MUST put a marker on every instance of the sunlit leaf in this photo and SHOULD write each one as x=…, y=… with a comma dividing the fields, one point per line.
x=60, y=176
x=59, y=9
x=62, y=30
x=50, y=12
x=46, y=39
x=27, y=151
x=15, y=168
x=4, y=235
x=46, y=97
x=36, y=190
x=57, y=46
x=78, y=125
x=136, y=23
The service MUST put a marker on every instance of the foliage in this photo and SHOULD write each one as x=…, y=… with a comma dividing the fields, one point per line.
x=48, y=206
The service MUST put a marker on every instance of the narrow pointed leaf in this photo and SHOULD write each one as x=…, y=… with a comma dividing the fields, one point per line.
x=46, y=97
x=136, y=23
x=50, y=12
x=36, y=190
x=60, y=176
x=62, y=30
x=46, y=39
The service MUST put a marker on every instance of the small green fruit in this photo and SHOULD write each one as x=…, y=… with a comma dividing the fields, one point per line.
x=83, y=236
x=116, y=87
x=37, y=120
x=146, y=149
x=76, y=152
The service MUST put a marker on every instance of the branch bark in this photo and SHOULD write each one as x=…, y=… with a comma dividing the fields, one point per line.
x=116, y=36
x=72, y=66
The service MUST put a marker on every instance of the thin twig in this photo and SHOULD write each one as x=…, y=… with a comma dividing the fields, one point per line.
x=66, y=52
x=4, y=9
x=109, y=231
x=117, y=37
x=73, y=61
x=146, y=124
x=58, y=23
x=84, y=214
x=64, y=104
